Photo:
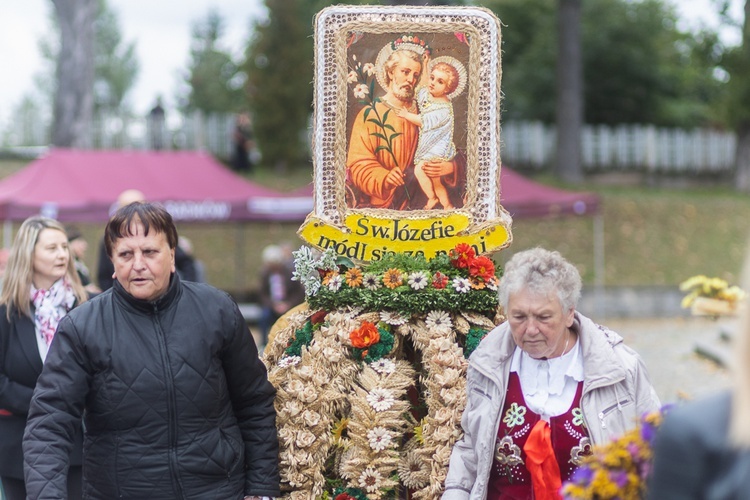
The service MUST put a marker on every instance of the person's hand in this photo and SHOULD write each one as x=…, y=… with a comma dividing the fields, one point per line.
x=438, y=168
x=394, y=178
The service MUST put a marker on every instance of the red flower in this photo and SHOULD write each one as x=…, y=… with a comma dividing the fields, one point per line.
x=365, y=336
x=439, y=280
x=343, y=496
x=482, y=267
x=462, y=255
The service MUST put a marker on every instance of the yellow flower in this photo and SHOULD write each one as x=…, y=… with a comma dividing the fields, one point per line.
x=353, y=277
x=338, y=429
x=393, y=278
x=419, y=432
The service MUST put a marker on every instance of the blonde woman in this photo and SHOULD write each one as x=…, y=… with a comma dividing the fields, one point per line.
x=39, y=288
x=702, y=449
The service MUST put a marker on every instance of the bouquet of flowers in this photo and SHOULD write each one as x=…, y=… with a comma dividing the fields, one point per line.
x=711, y=296
x=620, y=469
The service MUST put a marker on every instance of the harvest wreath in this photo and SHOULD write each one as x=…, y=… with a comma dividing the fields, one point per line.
x=371, y=379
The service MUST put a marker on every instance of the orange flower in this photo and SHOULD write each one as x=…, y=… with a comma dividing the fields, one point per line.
x=462, y=255
x=476, y=283
x=353, y=277
x=482, y=268
x=329, y=275
x=393, y=278
x=365, y=336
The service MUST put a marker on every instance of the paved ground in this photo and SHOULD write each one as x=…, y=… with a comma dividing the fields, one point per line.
x=667, y=346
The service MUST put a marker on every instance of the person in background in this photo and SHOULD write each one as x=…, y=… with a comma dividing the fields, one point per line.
x=78, y=247
x=105, y=268
x=242, y=139
x=702, y=448
x=542, y=388
x=41, y=287
x=200, y=269
x=157, y=125
x=177, y=402
x=278, y=293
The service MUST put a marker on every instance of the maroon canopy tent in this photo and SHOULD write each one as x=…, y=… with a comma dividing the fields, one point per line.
x=522, y=197
x=81, y=186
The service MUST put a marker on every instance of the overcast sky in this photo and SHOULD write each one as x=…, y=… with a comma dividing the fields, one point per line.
x=161, y=32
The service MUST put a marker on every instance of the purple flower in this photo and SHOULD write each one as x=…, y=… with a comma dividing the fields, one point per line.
x=620, y=478
x=582, y=476
x=648, y=432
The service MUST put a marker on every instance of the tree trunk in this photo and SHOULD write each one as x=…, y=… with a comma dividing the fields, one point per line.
x=742, y=153
x=74, y=98
x=569, y=109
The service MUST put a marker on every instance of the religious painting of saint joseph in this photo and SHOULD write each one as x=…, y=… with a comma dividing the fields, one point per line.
x=406, y=120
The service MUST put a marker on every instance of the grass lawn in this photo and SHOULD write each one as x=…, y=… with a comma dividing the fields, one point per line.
x=652, y=236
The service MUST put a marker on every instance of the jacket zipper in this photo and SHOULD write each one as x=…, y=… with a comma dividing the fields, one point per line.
x=496, y=426
x=171, y=403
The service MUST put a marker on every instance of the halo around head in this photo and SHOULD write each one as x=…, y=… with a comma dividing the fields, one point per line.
x=404, y=42
x=460, y=69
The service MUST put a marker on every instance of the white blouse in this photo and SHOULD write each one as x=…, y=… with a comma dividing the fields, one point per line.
x=549, y=385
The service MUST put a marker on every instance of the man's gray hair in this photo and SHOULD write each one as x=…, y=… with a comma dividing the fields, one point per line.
x=395, y=58
x=541, y=271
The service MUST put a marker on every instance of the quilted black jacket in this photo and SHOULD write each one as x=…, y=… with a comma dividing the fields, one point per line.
x=175, y=401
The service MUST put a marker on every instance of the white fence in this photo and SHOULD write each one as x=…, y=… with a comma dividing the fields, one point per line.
x=624, y=148
x=194, y=131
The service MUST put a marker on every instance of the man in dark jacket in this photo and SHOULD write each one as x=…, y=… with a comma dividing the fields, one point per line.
x=175, y=401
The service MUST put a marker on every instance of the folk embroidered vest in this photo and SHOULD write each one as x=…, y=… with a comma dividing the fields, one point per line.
x=509, y=477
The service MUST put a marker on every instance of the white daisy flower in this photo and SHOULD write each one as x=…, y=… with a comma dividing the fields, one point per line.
x=371, y=281
x=418, y=280
x=380, y=399
x=335, y=283
x=288, y=361
x=368, y=69
x=361, y=91
x=379, y=438
x=351, y=77
x=439, y=321
x=492, y=284
x=370, y=480
x=383, y=366
x=461, y=285
x=392, y=318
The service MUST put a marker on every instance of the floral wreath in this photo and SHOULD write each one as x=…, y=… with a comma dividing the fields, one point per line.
x=349, y=422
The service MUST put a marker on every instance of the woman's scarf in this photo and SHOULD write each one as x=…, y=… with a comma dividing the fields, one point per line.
x=50, y=306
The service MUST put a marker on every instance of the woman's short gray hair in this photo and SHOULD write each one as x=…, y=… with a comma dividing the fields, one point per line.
x=541, y=271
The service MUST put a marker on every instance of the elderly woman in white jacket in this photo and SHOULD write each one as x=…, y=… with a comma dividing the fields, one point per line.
x=543, y=387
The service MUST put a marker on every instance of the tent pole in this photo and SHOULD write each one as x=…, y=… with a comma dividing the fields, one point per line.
x=7, y=233
x=239, y=260
x=599, y=268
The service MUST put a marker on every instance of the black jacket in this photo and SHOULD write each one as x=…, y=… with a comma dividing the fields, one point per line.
x=20, y=365
x=177, y=403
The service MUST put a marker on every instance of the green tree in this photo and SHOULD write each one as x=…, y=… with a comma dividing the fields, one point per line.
x=738, y=64
x=116, y=65
x=74, y=103
x=638, y=67
x=214, y=79
x=569, y=95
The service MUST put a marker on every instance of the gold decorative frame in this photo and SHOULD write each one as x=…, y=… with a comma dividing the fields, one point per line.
x=480, y=220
